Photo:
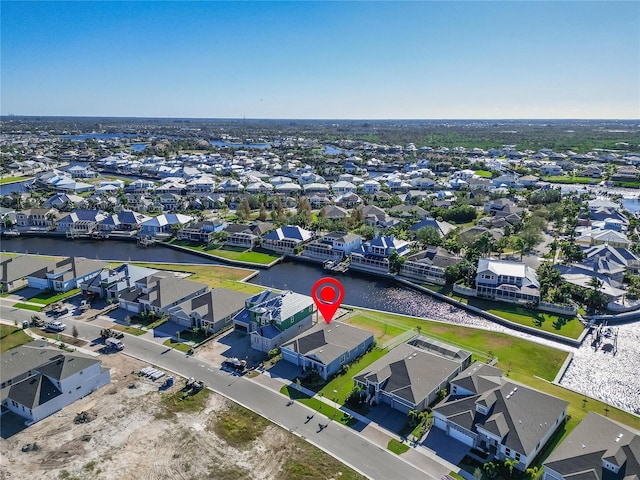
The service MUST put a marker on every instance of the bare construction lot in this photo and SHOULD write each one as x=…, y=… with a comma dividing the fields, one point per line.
x=121, y=432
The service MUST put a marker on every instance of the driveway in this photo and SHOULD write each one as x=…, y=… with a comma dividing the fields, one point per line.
x=445, y=447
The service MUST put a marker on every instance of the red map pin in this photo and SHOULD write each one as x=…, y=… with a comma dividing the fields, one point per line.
x=328, y=294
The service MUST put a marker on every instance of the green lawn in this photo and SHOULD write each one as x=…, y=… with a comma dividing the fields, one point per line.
x=567, y=179
x=45, y=298
x=4, y=180
x=321, y=407
x=238, y=426
x=12, y=337
x=130, y=330
x=338, y=388
x=397, y=447
x=382, y=330
x=566, y=326
x=215, y=276
x=26, y=306
x=483, y=173
x=183, y=347
x=514, y=354
x=230, y=253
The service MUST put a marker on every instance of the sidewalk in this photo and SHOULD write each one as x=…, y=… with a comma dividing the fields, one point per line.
x=417, y=455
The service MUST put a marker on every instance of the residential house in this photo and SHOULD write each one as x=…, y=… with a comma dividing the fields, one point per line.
x=411, y=376
x=164, y=224
x=286, y=239
x=37, y=381
x=598, y=449
x=326, y=347
x=273, y=319
x=374, y=254
x=65, y=200
x=201, y=231
x=333, y=246
x=342, y=187
x=332, y=212
x=111, y=282
x=441, y=227
x=213, y=310
x=15, y=270
x=429, y=265
x=507, y=281
x=550, y=169
x=159, y=292
x=66, y=274
x=36, y=217
x=377, y=217
x=127, y=220
x=371, y=187
x=589, y=237
x=80, y=221
x=501, y=418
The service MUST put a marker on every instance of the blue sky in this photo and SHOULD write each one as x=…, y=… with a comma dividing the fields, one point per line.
x=431, y=60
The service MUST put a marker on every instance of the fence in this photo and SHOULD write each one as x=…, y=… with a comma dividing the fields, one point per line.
x=556, y=308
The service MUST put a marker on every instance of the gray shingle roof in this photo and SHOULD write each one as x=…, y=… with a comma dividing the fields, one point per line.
x=594, y=439
x=409, y=372
x=327, y=342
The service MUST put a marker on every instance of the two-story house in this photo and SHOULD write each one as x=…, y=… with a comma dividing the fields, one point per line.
x=286, y=239
x=37, y=381
x=66, y=274
x=501, y=418
x=374, y=254
x=507, y=281
x=333, y=246
x=273, y=319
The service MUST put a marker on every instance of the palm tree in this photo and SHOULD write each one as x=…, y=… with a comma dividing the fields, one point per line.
x=509, y=463
x=535, y=472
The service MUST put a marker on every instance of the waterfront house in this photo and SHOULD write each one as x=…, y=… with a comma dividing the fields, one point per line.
x=286, y=239
x=597, y=449
x=126, y=220
x=164, y=224
x=429, y=265
x=201, y=231
x=213, y=310
x=501, y=418
x=80, y=221
x=65, y=274
x=333, y=246
x=37, y=381
x=411, y=376
x=273, y=319
x=373, y=255
x=326, y=347
x=36, y=217
x=507, y=281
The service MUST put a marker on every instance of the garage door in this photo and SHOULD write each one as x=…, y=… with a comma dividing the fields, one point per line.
x=290, y=356
x=458, y=435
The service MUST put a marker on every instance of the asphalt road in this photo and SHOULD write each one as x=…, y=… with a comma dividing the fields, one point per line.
x=341, y=442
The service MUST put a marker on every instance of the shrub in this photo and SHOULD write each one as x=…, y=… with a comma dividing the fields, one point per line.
x=274, y=352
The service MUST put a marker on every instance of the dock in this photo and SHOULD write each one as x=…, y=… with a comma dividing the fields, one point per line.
x=336, y=266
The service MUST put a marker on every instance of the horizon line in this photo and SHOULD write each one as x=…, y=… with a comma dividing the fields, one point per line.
x=13, y=115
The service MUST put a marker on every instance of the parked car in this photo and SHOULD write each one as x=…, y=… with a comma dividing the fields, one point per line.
x=114, y=343
x=60, y=313
x=56, y=326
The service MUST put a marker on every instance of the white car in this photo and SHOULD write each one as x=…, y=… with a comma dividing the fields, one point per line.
x=56, y=326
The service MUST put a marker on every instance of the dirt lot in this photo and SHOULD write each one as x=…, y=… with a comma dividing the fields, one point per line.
x=143, y=433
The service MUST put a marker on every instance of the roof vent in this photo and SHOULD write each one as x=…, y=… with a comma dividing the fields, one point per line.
x=508, y=396
x=515, y=389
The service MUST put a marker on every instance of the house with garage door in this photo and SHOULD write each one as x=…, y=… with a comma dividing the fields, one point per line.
x=213, y=310
x=326, y=347
x=66, y=274
x=411, y=376
x=159, y=292
x=597, y=449
x=37, y=381
x=274, y=318
x=499, y=417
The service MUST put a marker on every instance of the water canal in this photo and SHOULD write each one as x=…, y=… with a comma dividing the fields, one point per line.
x=600, y=374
